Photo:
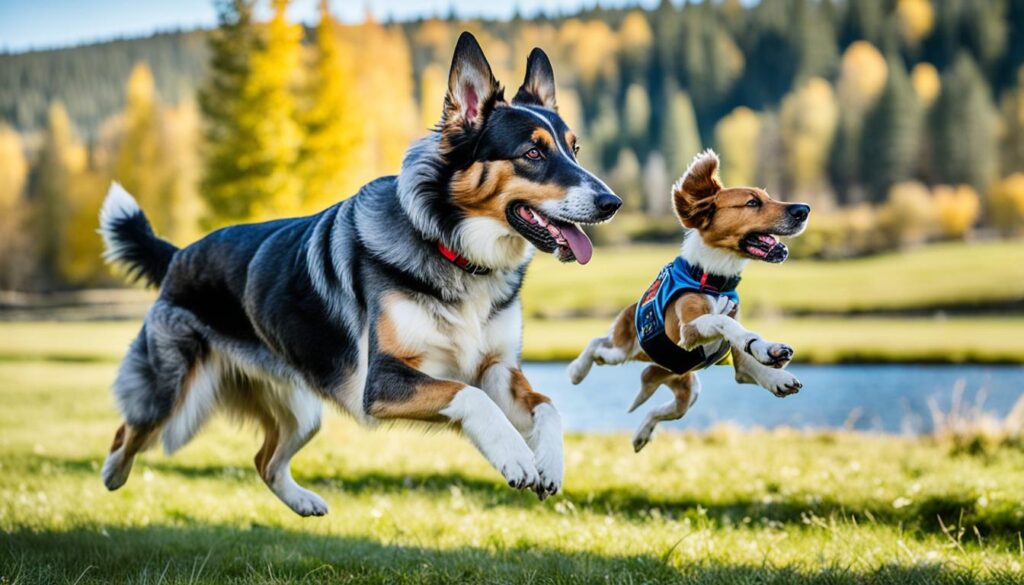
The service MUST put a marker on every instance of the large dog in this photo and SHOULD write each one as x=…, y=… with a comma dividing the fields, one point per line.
x=686, y=320
x=398, y=303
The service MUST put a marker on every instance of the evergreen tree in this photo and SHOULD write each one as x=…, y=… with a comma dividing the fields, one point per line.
x=269, y=108
x=331, y=159
x=892, y=132
x=680, y=137
x=226, y=184
x=60, y=158
x=637, y=115
x=963, y=131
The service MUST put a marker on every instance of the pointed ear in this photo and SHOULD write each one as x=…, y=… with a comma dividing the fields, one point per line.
x=472, y=89
x=694, y=192
x=539, y=85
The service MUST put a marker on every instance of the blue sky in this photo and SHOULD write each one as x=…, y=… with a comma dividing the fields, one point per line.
x=30, y=24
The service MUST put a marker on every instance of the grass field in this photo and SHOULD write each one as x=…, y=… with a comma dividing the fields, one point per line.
x=944, y=275
x=816, y=339
x=414, y=507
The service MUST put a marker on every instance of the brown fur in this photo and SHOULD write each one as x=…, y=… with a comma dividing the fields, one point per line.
x=485, y=189
x=388, y=342
x=425, y=403
x=523, y=393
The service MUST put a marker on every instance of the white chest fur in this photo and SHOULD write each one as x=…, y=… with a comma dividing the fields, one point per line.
x=452, y=340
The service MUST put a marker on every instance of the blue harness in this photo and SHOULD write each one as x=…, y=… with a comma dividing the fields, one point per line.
x=676, y=278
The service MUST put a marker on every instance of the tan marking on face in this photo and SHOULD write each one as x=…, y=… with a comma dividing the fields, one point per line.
x=732, y=218
x=388, y=341
x=570, y=139
x=485, y=189
x=544, y=138
x=427, y=401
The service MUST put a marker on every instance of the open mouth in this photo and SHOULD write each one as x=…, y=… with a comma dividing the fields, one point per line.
x=764, y=247
x=565, y=239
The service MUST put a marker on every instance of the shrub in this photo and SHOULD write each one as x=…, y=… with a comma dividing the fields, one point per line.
x=956, y=210
x=1006, y=204
x=908, y=216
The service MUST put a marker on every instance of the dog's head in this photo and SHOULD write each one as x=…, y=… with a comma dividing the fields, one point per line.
x=515, y=177
x=742, y=220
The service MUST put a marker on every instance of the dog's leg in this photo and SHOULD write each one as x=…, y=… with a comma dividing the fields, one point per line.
x=707, y=328
x=129, y=440
x=685, y=389
x=776, y=380
x=283, y=439
x=652, y=379
x=395, y=390
x=580, y=367
x=534, y=417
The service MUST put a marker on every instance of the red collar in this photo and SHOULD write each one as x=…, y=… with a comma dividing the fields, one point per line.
x=461, y=261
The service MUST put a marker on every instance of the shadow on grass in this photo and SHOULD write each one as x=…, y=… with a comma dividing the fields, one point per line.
x=217, y=554
x=927, y=514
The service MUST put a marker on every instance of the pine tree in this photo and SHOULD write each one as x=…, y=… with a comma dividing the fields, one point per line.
x=269, y=108
x=331, y=161
x=637, y=115
x=60, y=158
x=680, y=137
x=963, y=130
x=225, y=184
x=892, y=132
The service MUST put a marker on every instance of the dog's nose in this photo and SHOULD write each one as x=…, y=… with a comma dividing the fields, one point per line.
x=799, y=211
x=607, y=203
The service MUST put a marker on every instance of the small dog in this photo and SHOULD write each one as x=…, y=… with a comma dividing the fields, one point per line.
x=400, y=303
x=686, y=320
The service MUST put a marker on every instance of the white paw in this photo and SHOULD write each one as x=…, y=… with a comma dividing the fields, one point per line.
x=546, y=442
x=642, y=436
x=304, y=502
x=517, y=467
x=579, y=369
x=781, y=383
x=774, y=355
x=115, y=472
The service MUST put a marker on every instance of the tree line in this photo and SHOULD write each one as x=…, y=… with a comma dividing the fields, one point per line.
x=901, y=121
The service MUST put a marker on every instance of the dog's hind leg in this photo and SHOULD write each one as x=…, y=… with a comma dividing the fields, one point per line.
x=685, y=389
x=652, y=379
x=618, y=346
x=158, y=371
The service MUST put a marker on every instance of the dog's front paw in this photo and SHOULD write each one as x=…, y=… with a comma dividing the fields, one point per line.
x=782, y=384
x=773, y=355
x=519, y=470
x=546, y=442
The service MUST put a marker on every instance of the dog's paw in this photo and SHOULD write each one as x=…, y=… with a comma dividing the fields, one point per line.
x=782, y=384
x=115, y=470
x=519, y=470
x=578, y=370
x=773, y=355
x=304, y=502
x=546, y=442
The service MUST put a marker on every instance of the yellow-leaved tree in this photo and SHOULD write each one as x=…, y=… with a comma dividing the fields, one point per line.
x=14, y=264
x=332, y=160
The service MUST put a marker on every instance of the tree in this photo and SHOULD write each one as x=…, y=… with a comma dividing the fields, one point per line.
x=60, y=158
x=890, y=145
x=736, y=137
x=269, y=109
x=862, y=78
x=141, y=165
x=925, y=79
x=14, y=261
x=1012, y=141
x=637, y=115
x=1006, y=204
x=808, y=122
x=956, y=209
x=680, y=137
x=226, y=183
x=963, y=130
x=331, y=160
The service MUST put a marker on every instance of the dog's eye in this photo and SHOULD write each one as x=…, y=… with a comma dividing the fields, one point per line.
x=533, y=154
x=754, y=203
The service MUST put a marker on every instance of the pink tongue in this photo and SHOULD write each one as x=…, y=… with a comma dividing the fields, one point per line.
x=578, y=241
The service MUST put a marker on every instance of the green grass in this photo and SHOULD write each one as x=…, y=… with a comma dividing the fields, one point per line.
x=944, y=275
x=414, y=507
x=816, y=339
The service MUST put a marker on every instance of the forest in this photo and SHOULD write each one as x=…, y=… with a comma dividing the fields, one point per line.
x=900, y=121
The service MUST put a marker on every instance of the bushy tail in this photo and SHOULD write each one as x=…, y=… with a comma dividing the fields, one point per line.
x=129, y=240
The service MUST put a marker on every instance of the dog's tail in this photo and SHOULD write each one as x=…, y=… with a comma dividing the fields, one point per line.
x=129, y=240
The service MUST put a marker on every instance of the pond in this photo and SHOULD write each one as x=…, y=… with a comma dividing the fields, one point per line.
x=887, y=398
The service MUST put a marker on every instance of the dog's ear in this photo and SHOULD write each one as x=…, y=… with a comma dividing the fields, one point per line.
x=539, y=85
x=472, y=89
x=693, y=194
